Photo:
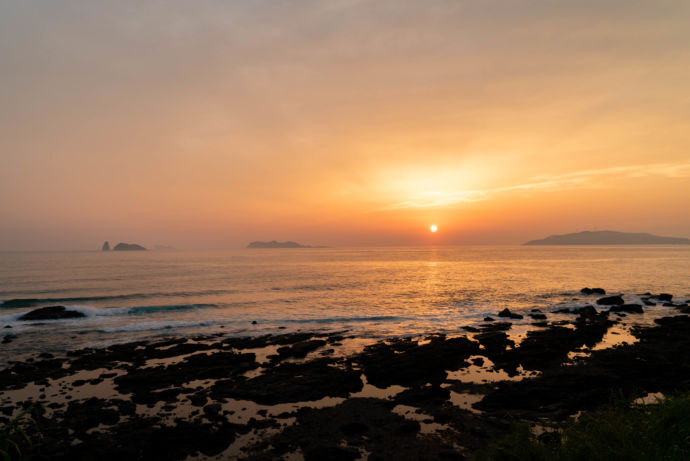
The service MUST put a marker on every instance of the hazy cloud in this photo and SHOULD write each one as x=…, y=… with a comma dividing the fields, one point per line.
x=576, y=180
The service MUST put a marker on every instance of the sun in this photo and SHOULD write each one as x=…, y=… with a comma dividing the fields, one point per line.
x=433, y=228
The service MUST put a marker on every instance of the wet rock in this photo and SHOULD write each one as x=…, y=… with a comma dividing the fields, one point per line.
x=407, y=363
x=198, y=399
x=51, y=313
x=538, y=316
x=593, y=291
x=212, y=410
x=611, y=301
x=292, y=382
x=658, y=362
x=494, y=341
x=367, y=424
x=498, y=326
x=664, y=297
x=87, y=414
x=488, y=319
x=300, y=349
x=354, y=429
x=471, y=329
x=629, y=308
x=507, y=313
x=478, y=361
x=145, y=383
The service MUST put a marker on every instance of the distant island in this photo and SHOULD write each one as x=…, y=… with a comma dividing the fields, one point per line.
x=274, y=244
x=128, y=247
x=609, y=238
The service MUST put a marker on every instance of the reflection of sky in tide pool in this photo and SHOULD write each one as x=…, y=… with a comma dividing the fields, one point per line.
x=372, y=292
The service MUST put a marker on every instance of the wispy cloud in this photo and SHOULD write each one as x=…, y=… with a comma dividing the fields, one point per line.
x=586, y=179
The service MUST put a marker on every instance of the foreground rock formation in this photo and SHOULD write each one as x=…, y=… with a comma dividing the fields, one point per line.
x=317, y=395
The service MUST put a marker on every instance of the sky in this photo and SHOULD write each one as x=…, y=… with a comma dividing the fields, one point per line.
x=209, y=124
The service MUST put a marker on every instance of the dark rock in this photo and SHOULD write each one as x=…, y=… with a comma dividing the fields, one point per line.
x=405, y=362
x=8, y=326
x=471, y=329
x=198, y=399
x=647, y=302
x=585, y=310
x=106, y=246
x=8, y=339
x=212, y=410
x=669, y=305
x=506, y=313
x=254, y=322
x=538, y=316
x=664, y=297
x=300, y=349
x=630, y=308
x=292, y=382
x=354, y=429
x=498, y=326
x=51, y=313
x=593, y=291
x=488, y=319
x=611, y=301
x=128, y=247
x=535, y=310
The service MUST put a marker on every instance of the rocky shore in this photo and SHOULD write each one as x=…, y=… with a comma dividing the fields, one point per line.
x=328, y=395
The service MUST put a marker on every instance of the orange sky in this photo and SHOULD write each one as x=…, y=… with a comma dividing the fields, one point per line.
x=212, y=123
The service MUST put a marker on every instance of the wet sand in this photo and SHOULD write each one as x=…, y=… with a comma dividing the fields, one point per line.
x=331, y=395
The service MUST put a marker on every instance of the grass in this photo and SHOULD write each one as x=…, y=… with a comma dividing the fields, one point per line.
x=618, y=431
x=14, y=438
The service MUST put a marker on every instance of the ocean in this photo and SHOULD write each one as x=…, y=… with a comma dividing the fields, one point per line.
x=371, y=292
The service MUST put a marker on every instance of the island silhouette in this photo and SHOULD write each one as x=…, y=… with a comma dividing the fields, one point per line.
x=128, y=247
x=609, y=238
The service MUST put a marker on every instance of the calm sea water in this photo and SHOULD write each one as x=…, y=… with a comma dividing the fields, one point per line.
x=374, y=292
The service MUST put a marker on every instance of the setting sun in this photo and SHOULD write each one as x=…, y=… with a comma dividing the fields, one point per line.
x=433, y=228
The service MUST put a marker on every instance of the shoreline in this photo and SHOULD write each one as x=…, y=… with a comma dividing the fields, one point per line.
x=316, y=395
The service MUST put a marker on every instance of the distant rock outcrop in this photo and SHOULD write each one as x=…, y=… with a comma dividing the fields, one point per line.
x=128, y=247
x=106, y=246
x=609, y=238
x=274, y=244
x=51, y=313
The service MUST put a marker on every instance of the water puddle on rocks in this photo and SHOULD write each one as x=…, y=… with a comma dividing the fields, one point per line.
x=371, y=391
x=465, y=400
x=61, y=391
x=617, y=335
x=426, y=422
x=487, y=373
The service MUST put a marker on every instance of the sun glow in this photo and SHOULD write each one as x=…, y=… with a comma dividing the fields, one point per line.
x=433, y=228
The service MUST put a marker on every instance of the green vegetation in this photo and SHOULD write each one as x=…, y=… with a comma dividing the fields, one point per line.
x=618, y=431
x=14, y=438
